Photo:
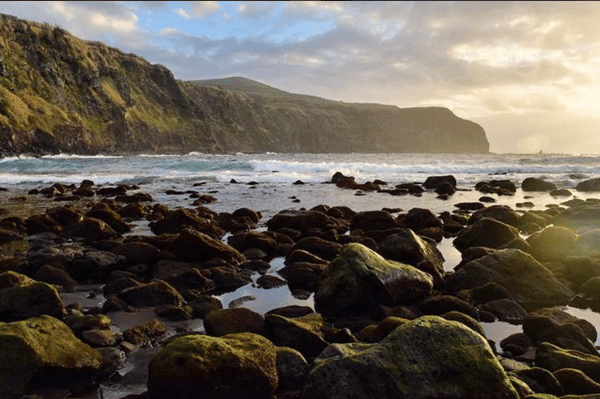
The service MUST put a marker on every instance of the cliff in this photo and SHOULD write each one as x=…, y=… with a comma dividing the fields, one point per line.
x=62, y=94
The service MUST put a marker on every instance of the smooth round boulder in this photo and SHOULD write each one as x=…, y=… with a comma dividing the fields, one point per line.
x=486, y=232
x=429, y=357
x=552, y=244
x=43, y=348
x=360, y=279
x=241, y=366
x=535, y=184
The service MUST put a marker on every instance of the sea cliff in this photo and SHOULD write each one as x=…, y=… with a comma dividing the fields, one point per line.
x=61, y=94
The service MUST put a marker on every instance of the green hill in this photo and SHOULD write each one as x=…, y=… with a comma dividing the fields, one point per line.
x=59, y=93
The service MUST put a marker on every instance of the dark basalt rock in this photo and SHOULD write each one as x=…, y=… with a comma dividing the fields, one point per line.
x=535, y=184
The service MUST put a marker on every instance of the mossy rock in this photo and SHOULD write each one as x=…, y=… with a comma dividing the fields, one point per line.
x=32, y=299
x=42, y=349
x=429, y=357
x=241, y=366
x=360, y=279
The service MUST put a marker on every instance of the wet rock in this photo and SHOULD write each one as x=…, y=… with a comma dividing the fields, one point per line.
x=268, y=282
x=548, y=324
x=505, y=310
x=65, y=215
x=242, y=366
x=374, y=220
x=560, y=192
x=578, y=216
x=408, y=248
x=305, y=220
x=103, y=212
x=359, y=279
x=517, y=344
x=466, y=320
x=94, y=265
x=302, y=274
x=441, y=304
x=221, y=322
x=137, y=252
x=192, y=279
x=588, y=244
x=322, y=248
x=579, y=269
x=535, y=184
x=291, y=311
x=502, y=213
x=377, y=332
x=252, y=239
x=135, y=198
x=101, y=338
x=553, y=358
x=419, y=218
x=41, y=224
x=175, y=312
x=134, y=211
x=153, y=294
x=590, y=185
x=575, y=382
x=437, y=357
x=486, y=232
x=228, y=278
x=29, y=298
x=433, y=182
x=118, y=285
x=191, y=245
x=292, y=369
x=300, y=255
x=80, y=323
x=204, y=304
x=42, y=351
x=178, y=220
x=540, y=380
x=469, y=206
x=553, y=243
x=306, y=334
x=530, y=283
x=146, y=333
x=58, y=277
x=91, y=229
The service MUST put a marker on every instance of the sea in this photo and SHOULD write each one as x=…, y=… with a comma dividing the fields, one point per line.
x=273, y=182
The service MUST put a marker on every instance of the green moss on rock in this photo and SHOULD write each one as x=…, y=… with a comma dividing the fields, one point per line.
x=241, y=366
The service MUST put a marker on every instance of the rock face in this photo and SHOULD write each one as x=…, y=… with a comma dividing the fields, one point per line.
x=43, y=348
x=359, y=279
x=427, y=358
x=234, y=366
x=130, y=105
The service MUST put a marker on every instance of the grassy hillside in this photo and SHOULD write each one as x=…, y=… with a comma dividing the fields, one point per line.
x=59, y=93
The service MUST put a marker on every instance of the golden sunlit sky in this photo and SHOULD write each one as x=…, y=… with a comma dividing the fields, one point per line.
x=527, y=72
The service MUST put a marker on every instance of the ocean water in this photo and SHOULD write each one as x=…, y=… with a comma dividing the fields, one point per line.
x=227, y=178
x=276, y=173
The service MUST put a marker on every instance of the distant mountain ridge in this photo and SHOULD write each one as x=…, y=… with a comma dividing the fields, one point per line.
x=59, y=94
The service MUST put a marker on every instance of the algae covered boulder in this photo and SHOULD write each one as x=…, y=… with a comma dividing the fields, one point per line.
x=43, y=349
x=429, y=357
x=531, y=284
x=25, y=298
x=242, y=366
x=360, y=279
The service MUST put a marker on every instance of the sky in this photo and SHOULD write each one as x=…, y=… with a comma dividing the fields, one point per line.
x=527, y=72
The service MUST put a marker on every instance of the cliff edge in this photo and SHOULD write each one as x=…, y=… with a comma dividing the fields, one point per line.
x=59, y=94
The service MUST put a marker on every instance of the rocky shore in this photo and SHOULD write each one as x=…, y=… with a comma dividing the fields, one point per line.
x=388, y=320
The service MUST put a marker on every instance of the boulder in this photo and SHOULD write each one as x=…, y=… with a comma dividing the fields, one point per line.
x=153, y=294
x=535, y=184
x=306, y=334
x=580, y=269
x=486, y=232
x=408, y=248
x=553, y=358
x=94, y=265
x=29, y=299
x=145, y=333
x=178, y=220
x=204, y=304
x=555, y=325
x=302, y=274
x=374, y=220
x=588, y=244
x=578, y=216
x=103, y=212
x=242, y=366
x=552, y=244
x=440, y=304
x=589, y=185
x=322, y=248
x=530, y=283
x=505, y=310
x=292, y=369
x=193, y=246
x=302, y=220
x=221, y=322
x=359, y=279
x=575, y=382
x=91, y=229
x=426, y=358
x=137, y=252
x=43, y=351
x=540, y=380
x=419, y=218
x=433, y=182
x=502, y=213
